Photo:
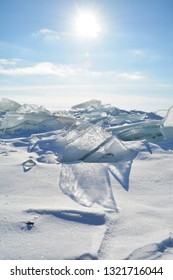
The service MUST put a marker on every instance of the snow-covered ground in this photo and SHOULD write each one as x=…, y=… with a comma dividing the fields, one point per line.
x=91, y=183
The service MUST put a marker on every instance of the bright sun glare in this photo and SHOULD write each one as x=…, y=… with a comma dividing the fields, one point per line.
x=87, y=24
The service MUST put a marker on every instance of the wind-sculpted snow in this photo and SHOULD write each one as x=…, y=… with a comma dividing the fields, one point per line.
x=154, y=251
x=76, y=216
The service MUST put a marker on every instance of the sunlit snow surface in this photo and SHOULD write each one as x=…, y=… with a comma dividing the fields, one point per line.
x=96, y=178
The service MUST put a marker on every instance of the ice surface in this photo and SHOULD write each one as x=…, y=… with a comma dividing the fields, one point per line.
x=8, y=105
x=167, y=124
x=87, y=184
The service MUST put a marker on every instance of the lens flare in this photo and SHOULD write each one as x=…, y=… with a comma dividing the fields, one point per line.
x=87, y=24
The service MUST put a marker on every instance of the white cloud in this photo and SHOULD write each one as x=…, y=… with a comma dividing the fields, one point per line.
x=74, y=73
x=47, y=34
x=9, y=62
x=43, y=68
x=136, y=76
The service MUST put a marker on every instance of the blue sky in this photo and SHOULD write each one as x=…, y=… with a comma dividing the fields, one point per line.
x=129, y=64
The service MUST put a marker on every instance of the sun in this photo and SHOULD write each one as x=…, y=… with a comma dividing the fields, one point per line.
x=87, y=24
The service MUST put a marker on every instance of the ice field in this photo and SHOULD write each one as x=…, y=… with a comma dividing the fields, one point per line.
x=93, y=182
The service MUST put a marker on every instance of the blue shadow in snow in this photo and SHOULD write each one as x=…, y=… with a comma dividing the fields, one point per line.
x=88, y=218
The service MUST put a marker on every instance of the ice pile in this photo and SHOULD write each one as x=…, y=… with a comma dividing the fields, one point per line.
x=126, y=125
x=21, y=119
x=90, y=142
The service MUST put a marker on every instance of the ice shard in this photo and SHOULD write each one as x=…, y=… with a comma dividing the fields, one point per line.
x=87, y=184
x=32, y=108
x=121, y=172
x=82, y=141
x=32, y=122
x=28, y=165
x=112, y=150
x=87, y=105
x=14, y=121
x=8, y=105
x=148, y=129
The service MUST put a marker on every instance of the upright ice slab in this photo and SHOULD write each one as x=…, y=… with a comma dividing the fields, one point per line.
x=14, y=121
x=87, y=105
x=81, y=141
x=8, y=105
x=167, y=124
x=32, y=108
x=148, y=129
x=111, y=151
x=87, y=184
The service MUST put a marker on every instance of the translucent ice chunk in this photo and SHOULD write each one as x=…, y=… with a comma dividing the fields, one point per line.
x=162, y=113
x=11, y=120
x=28, y=165
x=87, y=184
x=167, y=124
x=8, y=105
x=84, y=142
x=121, y=172
x=142, y=130
x=94, y=117
x=88, y=104
x=15, y=119
x=33, y=122
x=112, y=151
x=31, y=108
